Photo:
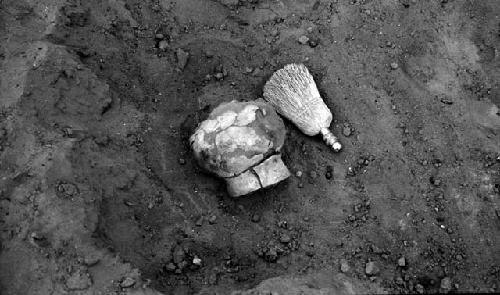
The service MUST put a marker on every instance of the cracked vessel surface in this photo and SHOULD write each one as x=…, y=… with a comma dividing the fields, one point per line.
x=240, y=136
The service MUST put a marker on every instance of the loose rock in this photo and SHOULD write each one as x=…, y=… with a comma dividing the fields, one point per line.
x=402, y=262
x=303, y=40
x=182, y=58
x=178, y=255
x=371, y=268
x=347, y=131
x=394, y=65
x=255, y=218
x=196, y=261
x=344, y=266
x=446, y=284
x=271, y=255
x=163, y=45
x=79, y=280
x=170, y=267
x=285, y=239
x=219, y=76
x=127, y=282
x=420, y=289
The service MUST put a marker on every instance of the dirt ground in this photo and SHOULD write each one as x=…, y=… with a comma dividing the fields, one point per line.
x=100, y=194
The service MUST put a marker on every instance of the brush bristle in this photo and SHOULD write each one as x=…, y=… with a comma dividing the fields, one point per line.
x=293, y=92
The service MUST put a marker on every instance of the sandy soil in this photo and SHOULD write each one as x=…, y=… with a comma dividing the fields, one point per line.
x=99, y=192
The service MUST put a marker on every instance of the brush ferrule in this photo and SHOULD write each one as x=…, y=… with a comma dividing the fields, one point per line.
x=331, y=139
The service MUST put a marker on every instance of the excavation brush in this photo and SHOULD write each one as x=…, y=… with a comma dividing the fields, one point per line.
x=293, y=93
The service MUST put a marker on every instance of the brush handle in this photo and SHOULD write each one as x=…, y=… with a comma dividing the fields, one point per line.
x=331, y=140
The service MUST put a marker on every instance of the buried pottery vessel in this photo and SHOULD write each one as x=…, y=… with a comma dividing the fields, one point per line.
x=241, y=142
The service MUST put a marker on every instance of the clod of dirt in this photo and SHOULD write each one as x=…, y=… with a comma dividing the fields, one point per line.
x=230, y=2
x=402, y=262
x=347, y=131
x=329, y=172
x=79, y=280
x=285, y=238
x=303, y=40
x=170, y=267
x=178, y=255
x=344, y=265
x=66, y=190
x=371, y=269
x=420, y=289
x=445, y=284
x=271, y=255
x=163, y=45
x=212, y=219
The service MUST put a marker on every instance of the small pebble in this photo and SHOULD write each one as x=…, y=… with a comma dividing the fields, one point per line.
x=199, y=222
x=446, y=284
x=178, y=255
x=212, y=219
x=80, y=280
x=182, y=58
x=163, y=45
x=298, y=173
x=303, y=40
x=313, y=43
x=371, y=268
x=159, y=36
x=344, y=266
x=285, y=239
x=219, y=76
x=170, y=267
x=402, y=262
x=127, y=282
x=209, y=53
x=182, y=161
x=255, y=218
x=196, y=261
x=420, y=289
x=394, y=65
x=313, y=174
x=347, y=131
